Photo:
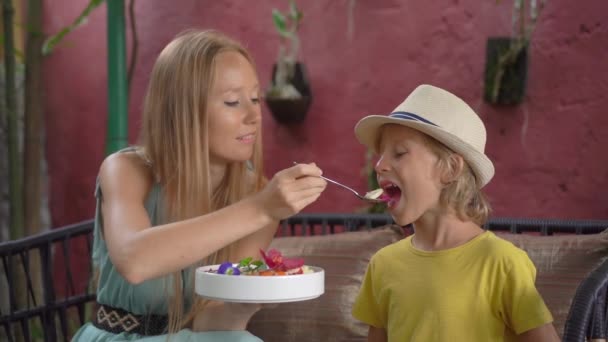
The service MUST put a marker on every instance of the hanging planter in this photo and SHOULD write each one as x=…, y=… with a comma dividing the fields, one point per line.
x=289, y=96
x=506, y=67
x=506, y=71
x=291, y=110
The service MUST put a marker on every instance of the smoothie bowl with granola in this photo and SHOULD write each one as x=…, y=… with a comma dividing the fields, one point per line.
x=271, y=279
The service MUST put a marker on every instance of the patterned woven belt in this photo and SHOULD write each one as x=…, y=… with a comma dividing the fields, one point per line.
x=116, y=320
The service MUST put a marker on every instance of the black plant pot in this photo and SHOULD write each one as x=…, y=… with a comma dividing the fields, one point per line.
x=512, y=86
x=291, y=111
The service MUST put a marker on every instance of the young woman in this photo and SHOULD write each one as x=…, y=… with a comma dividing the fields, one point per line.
x=191, y=192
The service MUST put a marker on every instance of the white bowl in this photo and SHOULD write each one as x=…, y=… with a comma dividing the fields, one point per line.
x=259, y=289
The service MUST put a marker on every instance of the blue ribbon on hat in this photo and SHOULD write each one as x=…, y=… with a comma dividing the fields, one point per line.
x=410, y=116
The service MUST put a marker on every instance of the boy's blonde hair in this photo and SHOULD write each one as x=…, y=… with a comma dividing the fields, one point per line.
x=462, y=194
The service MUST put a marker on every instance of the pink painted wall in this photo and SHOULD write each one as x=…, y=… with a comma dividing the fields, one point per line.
x=549, y=152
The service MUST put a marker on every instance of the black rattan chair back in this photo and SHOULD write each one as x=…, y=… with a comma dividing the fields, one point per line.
x=41, y=297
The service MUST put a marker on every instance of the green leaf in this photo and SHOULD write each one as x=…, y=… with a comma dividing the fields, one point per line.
x=257, y=263
x=279, y=21
x=55, y=39
x=245, y=262
x=51, y=42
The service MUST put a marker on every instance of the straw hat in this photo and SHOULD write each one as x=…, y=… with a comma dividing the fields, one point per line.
x=443, y=116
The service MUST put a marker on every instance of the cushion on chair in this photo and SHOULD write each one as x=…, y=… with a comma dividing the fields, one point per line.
x=344, y=257
x=562, y=262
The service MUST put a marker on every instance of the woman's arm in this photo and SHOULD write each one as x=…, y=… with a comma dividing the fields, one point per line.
x=376, y=335
x=544, y=333
x=140, y=254
x=250, y=245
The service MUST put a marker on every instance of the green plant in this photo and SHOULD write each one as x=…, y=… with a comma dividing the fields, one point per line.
x=287, y=25
x=522, y=29
x=51, y=42
x=55, y=39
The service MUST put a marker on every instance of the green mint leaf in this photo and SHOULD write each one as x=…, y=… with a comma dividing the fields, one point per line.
x=245, y=262
x=262, y=266
x=256, y=264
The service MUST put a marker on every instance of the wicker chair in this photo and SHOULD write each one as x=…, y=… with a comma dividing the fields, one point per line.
x=587, y=316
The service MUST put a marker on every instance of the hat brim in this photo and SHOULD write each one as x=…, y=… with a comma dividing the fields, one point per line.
x=367, y=130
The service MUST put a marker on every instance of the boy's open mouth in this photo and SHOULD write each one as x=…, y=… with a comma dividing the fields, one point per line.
x=392, y=193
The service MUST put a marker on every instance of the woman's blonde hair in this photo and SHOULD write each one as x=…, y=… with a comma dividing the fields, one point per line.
x=462, y=192
x=174, y=138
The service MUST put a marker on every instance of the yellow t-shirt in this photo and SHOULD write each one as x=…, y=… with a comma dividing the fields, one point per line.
x=480, y=291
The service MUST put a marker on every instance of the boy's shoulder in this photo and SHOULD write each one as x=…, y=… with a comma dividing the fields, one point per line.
x=392, y=250
x=499, y=250
x=499, y=245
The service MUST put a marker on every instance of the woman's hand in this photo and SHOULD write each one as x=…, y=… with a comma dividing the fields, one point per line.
x=224, y=316
x=544, y=333
x=291, y=190
x=376, y=335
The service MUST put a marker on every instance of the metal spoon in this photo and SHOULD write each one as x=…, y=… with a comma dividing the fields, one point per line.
x=363, y=197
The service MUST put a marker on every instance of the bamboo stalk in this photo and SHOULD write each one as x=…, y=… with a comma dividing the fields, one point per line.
x=14, y=160
x=33, y=119
x=33, y=140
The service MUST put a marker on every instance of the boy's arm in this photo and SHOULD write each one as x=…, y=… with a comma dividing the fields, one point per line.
x=544, y=333
x=376, y=335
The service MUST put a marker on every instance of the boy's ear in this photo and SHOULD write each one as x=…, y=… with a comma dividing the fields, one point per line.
x=453, y=168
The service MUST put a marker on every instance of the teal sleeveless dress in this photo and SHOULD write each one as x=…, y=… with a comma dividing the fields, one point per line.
x=149, y=297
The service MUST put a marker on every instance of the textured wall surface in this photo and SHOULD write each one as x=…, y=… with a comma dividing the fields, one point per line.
x=549, y=151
